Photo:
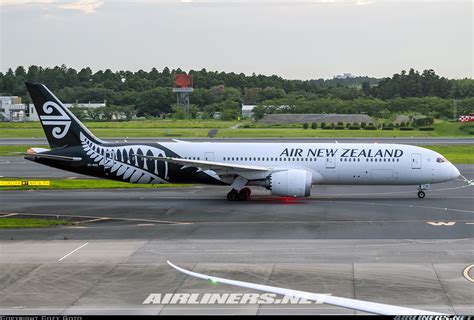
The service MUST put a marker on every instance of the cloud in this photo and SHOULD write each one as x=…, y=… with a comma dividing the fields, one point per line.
x=265, y=2
x=364, y=2
x=85, y=6
x=22, y=2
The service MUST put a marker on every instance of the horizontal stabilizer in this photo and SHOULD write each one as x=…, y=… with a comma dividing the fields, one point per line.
x=50, y=156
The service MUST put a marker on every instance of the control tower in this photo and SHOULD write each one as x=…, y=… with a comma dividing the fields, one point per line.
x=183, y=86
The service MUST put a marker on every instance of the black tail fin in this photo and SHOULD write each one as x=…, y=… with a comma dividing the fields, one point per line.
x=61, y=127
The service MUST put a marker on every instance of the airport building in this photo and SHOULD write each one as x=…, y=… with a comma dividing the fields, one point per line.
x=11, y=109
x=247, y=111
x=344, y=76
x=33, y=116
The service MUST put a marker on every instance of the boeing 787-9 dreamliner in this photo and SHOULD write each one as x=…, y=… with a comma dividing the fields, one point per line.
x=284, y=168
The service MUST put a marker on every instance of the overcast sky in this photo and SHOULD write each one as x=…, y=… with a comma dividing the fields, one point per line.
x=294, y=39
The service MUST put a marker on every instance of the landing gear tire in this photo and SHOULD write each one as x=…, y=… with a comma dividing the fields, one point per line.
x=244, y=195
x=232, y=195
x=421, y=194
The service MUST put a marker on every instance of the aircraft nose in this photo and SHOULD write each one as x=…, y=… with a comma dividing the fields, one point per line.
x=456, y=173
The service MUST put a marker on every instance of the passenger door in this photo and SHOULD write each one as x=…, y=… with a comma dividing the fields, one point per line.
x=330, y=162
x=416, y=161
x=382, y=176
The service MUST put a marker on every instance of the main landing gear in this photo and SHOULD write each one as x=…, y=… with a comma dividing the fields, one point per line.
x=421, y=188
x=242, y=195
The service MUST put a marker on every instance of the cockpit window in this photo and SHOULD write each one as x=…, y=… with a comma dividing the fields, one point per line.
x=441, y=160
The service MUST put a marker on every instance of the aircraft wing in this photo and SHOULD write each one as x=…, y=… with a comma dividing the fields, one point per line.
x=208, y=165
x=366, y=306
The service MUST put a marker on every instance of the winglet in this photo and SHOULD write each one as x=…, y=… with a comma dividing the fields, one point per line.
x=190, y=273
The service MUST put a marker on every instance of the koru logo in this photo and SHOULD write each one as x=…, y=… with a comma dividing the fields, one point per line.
x=62, y=122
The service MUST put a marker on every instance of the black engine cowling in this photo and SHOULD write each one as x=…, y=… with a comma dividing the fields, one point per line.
x=290, y=183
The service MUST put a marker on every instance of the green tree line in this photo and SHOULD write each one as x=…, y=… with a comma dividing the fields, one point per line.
x=149, y=93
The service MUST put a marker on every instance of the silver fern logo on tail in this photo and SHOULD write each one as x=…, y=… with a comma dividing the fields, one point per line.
x=126, y=166
x=62, y=122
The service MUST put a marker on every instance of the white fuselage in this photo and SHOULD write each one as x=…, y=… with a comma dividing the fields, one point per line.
x=330, y=163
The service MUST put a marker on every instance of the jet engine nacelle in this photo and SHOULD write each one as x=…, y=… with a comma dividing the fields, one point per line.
x=290, y=183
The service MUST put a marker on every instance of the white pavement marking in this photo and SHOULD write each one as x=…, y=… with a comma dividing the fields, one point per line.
x=93, y=220
x=466, y=273
x=441, y=223
x=9, y=215
x=389, y=204
x=110, y=218
x=67, y=255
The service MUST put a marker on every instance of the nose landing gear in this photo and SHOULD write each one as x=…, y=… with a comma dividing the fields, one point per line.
x=421, y=188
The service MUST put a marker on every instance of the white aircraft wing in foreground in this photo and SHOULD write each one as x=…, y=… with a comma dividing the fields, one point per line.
x=366, y=306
